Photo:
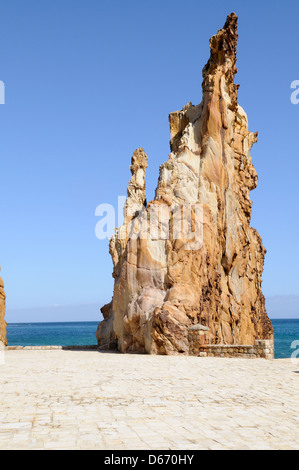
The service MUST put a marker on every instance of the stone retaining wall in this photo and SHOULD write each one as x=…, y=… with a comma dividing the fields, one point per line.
x=261, y=349
x=199, y=345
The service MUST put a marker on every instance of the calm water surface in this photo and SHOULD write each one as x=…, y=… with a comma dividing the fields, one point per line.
x=83, y=333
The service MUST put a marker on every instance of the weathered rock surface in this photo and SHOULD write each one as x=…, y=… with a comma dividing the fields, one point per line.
x=2, y=314
x=163, y=284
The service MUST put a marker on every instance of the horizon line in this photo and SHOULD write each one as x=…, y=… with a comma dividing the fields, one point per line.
x=96, y=321
x=103, y=302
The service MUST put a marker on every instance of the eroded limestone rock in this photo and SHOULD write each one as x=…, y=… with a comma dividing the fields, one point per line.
x=2, y=314
x=162, y=286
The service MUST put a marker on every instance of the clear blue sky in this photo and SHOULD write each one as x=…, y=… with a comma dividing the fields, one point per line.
x=89, y=81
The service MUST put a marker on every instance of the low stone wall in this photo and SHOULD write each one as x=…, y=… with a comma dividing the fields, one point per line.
x=52, y=348
x=265, y=348
x=199, y=346
x=261, y=349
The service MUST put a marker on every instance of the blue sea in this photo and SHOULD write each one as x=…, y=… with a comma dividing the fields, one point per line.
x=83, y=334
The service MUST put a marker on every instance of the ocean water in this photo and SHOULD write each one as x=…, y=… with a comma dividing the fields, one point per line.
x=52, y=334
x=286, y=332
x=83, y=333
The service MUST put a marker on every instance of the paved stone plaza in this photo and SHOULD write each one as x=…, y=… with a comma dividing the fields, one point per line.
x=92, y=400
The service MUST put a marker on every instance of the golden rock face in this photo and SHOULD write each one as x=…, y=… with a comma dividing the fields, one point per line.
x=2, y=314
x=162, y=288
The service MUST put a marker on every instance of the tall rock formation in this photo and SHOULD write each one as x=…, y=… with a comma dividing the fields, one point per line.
x=167, y=281
x=2, y=314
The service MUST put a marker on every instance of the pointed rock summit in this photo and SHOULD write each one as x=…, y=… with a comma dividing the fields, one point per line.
x=189, y=260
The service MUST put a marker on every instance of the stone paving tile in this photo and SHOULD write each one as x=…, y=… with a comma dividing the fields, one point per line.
x=89, y=400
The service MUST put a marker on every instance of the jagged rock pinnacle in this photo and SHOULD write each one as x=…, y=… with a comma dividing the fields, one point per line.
x=162, y=286
x=223, y=58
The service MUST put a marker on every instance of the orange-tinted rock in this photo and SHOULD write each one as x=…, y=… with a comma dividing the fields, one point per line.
x=2, y=314
x=164, y=284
